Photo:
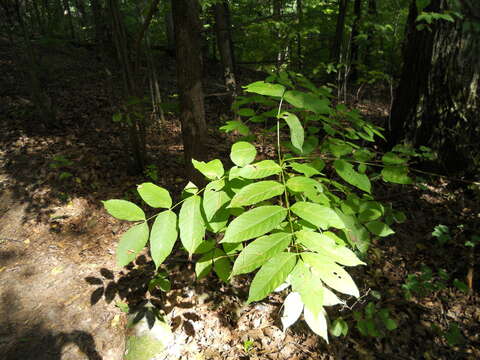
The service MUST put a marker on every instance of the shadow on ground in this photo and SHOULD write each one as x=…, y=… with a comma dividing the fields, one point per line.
x=22, y=340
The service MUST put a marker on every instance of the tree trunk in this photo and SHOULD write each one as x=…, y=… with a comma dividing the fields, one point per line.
x=437, y=101
x=170, y=30
x=277, y=16
x=80, y=5
x=225, y=47
x=43, y=103
x=189, y=76
x=372, y=17
x=354, y=43
x=299, y=36
x=99, y=22
x=136, y=125
x=338, y=41
x=68, y=13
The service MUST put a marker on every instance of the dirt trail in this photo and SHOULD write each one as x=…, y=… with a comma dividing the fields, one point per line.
x=46, y=307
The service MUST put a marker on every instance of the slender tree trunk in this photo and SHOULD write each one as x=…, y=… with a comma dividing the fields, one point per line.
x=354, y=43
x=277, y=15
x=43, y=103
x=438, y=99
x=338, y=41
x=299, y=36
x=372, y=15
x=99, y=22
x=66, y=7
x=38, y=18
x=189, y=76
x=225, y=47
x=136, y=126
x=170, y=29
x=80, y=5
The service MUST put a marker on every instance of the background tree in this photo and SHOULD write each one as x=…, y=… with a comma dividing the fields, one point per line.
x=437, y=100
x=189, y=77
x=339, y=29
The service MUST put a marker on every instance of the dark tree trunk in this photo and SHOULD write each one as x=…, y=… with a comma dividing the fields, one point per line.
x=372, y=15
x=66, y=8
x=43, y=103
x=338, y=41
x=357, y=9
x=437, y=101
x=80, y=5
x=170, y=30
x=99, y=22
x=225, y=47
x=299, y=37
x=189, y=76
x=136, y=125
x=277, y=16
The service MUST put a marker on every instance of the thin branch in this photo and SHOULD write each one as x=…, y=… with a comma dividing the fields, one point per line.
x=145, y=25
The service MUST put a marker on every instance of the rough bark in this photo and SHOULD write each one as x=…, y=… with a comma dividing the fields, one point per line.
x=299, y=37
x=354, y=49
x=99, y=22
x=437, y=100
x=225, y=47
x=136, y=126
x=189, y=77
x=66, y=8
x=43, y=103
x=372, y=15
x=338, y=41
x=170, y=30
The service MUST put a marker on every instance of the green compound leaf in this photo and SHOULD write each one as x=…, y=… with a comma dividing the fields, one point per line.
x=259, y=251
x=297, y=134
x=263, y=88
x=246, y=112
x=215, y=199
x=190, y=222
x=318, y=215
x=259, y=170
x=124, y=210
x=292, y=309
x=212, y=170
x=163, y=236
x=331, y=274
x=346, y=171
x=242, y=153
x=254, y=223
x=391, y=158
x=327, y=246
x=309, y=287
x=396, y=174
x=317, y=323
x=217, y=259
x=308, y=101
x=257, y=192
x=379, y=228
x=271, y=275
x=155, y=196
x=236, y=126
x=304, y=169
x=222, y=265
x=131, y=243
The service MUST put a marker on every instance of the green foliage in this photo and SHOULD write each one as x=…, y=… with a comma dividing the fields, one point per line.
x=374, y=321
x=425, y=283
x=284, y=218
x=63, y=164
x=151, y=171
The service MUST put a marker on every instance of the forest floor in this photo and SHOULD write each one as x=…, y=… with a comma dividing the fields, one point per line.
x=61, y=295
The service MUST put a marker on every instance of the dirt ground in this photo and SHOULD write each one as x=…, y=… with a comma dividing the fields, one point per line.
x=61, y=294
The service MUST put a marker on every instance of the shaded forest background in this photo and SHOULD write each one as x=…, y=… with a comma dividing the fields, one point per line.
x=99, y=96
